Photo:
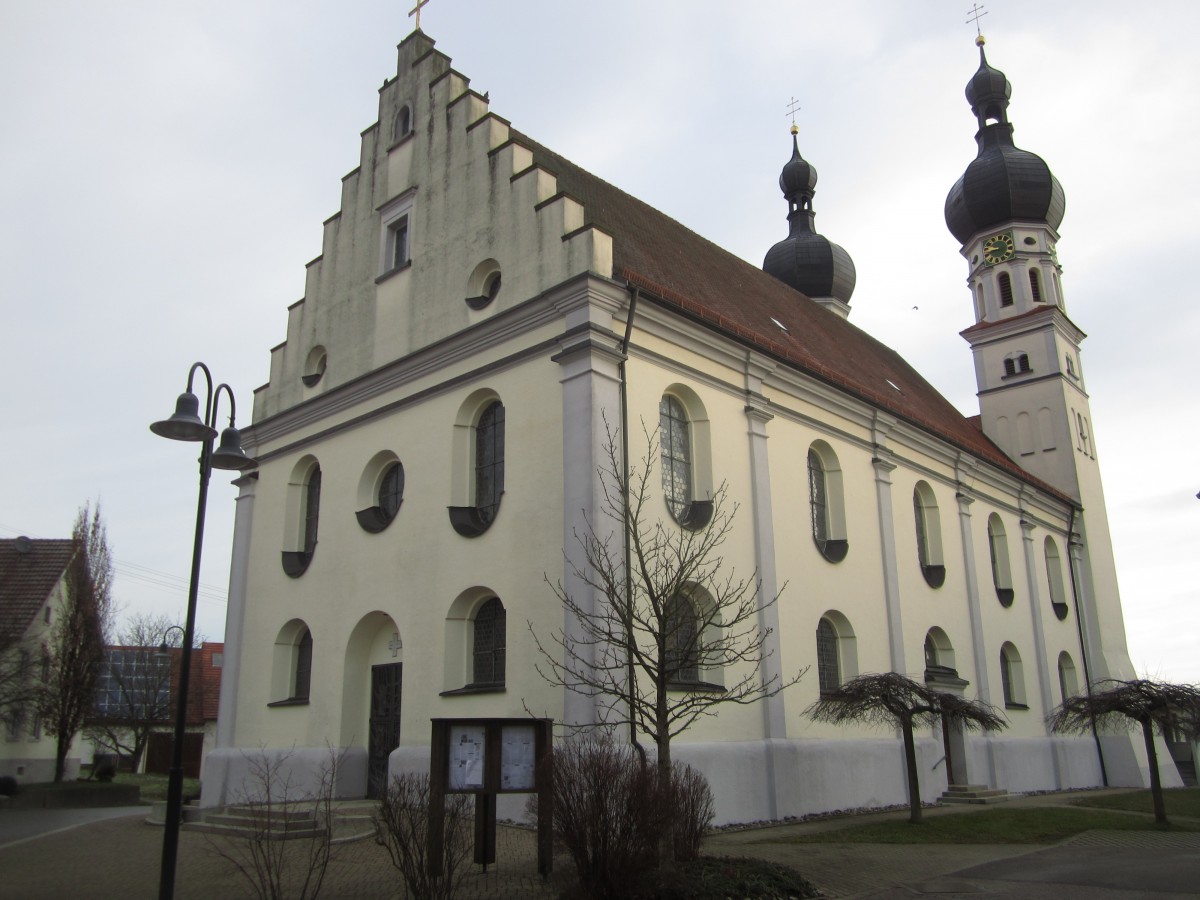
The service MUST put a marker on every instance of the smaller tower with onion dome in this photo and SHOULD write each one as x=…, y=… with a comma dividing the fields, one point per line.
x=806, y=260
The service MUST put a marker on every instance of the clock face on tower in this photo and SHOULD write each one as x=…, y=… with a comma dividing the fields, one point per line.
x=998, y=248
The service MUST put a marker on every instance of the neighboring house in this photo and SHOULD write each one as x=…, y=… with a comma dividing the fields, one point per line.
x=32, y=592
x=135, y=709
x=484, y=310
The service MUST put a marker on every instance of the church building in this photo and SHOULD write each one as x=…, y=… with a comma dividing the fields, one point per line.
x=484, y=312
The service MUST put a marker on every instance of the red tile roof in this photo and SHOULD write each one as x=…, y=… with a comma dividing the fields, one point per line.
x=28, y=578
x=681, y=269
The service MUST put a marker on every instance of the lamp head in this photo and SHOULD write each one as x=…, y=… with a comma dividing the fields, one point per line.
x=185, y=424
x=230, y=455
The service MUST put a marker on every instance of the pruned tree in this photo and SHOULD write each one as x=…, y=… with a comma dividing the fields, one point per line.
x=1122, y=704
x=133, y=695
x=19, y=666
x=77, y=639
x=669, y=626
x=891, y=699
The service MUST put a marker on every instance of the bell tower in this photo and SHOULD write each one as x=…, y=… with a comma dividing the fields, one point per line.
x=1005, y=211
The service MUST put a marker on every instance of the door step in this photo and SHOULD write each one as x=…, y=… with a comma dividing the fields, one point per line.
x=973, y=794
x=251, y=821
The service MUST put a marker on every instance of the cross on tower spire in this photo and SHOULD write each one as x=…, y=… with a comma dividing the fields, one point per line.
x=792, y=107
x=416, y=11
x=976, y=13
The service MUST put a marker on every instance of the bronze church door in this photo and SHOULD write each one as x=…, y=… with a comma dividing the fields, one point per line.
x=386, y=682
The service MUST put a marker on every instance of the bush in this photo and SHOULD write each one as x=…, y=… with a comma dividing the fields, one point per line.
x=104, y=769
x=720, y=878
x=8, y=786
x=610, y=812
x=402, y=828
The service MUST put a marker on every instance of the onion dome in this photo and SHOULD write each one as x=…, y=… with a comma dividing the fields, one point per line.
x=1003, y=182
x=805, y=260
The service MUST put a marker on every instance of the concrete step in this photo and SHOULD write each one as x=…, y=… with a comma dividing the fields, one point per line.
x=280, y=823
x=973, y=794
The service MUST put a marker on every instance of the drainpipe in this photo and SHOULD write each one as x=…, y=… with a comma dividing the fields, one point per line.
x=629, y=673
x=1087, y=675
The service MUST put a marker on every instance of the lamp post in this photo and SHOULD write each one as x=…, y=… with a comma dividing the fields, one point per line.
x=186, y=425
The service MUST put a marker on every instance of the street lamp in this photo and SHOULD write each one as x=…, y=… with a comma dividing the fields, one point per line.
x=186, y=425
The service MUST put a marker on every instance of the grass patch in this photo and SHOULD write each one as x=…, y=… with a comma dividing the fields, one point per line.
x=721, y=877
x=1178, y=801
x=1044, y=825
x=154, y=787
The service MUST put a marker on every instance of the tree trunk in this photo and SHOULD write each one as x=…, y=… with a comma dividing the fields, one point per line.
x=62, y=746
x=666, y=843
x=910, y=761
x=1156, y=791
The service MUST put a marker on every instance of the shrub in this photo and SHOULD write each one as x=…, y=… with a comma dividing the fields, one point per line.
x=402, y=828
x=610, y=811
x=8, y=786
x=105, y=768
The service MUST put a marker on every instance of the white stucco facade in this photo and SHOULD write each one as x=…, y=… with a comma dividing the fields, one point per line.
x=459, y=273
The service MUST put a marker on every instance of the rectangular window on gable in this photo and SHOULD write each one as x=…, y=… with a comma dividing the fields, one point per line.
x=396, y=231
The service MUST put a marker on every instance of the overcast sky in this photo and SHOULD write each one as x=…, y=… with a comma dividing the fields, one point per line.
x=165, y=169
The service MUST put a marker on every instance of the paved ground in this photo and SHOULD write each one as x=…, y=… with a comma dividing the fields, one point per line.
x=118, y=857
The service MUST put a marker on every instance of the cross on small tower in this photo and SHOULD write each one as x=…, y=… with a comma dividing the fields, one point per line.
x=416, y=11
x=792, y=107
x=395, y=644
x=977, y=12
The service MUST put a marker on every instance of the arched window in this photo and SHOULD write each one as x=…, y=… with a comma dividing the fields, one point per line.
x=402, y=124
x=1010, y=366
x=675, y=443
x=1054, y=578
x=1023, y=362
x=488, y=647
x=489, y=461
x=303, y=678
x=304, y=514
x=1068, y=682
x=929, y=535
x=1006, y=293
x=685, y=458
x=380, y=492
x=1011, y=677
x=1035, y=285
x=291, y=666
x=826, y=502
x=682, y=641
x=479, y=451
x=829, y=667
x=939, y=654
x=998, y=550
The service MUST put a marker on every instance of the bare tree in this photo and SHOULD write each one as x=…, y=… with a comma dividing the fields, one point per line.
x=133, y=695
x=402, y=827
x=891, y=699
x=19, y=663
x=1150, y=704
x=670, y=625
x=77, y=639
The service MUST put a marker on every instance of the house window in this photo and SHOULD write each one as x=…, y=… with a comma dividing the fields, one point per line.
x=1023, y=362
x=380, y=492
x=303, y=679
x=489, y=462
x=1006, y=293
x=1010, y=366
x=682, y=641
x=676, y=450
x=998, y=551
x=829, y=676
x=825, y=499
x=931, y=658
x=1054, y=579
x=1011, y=677
x=489, y=644
x=304, y=512
x=1035, y=285
x=929, y=535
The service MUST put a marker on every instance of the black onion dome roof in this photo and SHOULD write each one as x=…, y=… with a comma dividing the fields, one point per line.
x=1003, y=182
x=805, y=260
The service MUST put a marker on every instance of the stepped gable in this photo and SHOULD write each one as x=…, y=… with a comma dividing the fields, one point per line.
x=29, y=570
x=679, y=267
